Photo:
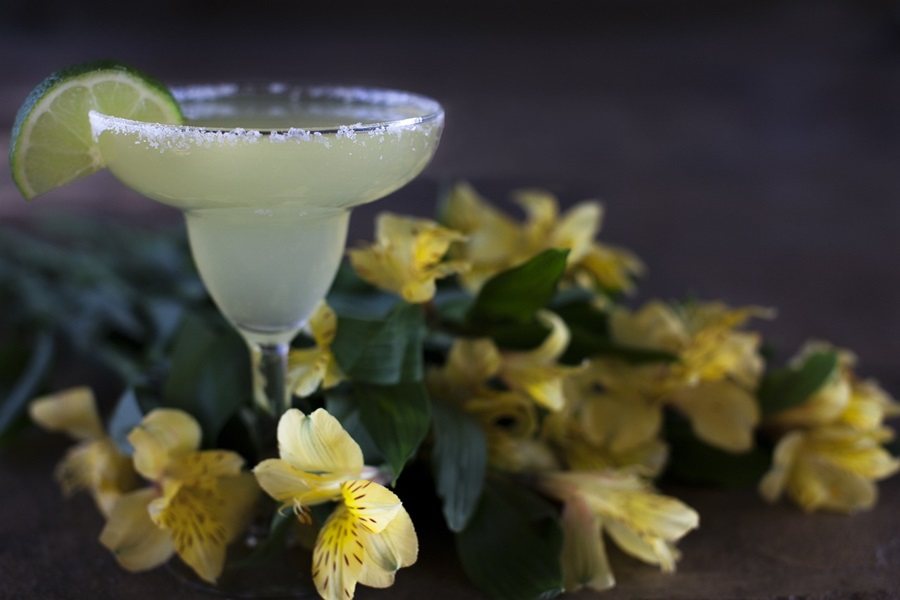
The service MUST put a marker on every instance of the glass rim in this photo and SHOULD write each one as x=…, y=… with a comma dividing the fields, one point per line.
x=200, y=93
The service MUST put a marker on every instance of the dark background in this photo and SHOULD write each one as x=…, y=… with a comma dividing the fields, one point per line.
x=747, y=151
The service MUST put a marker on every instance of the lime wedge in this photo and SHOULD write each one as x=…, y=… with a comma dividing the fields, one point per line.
x=51, y=142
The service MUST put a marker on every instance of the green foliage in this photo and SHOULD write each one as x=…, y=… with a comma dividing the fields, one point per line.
x=459, y=461
x=397, y=418
x=512, y=544
x=515, y=295
x=792, y=386
x=125, y=416
x=209, y=374
x=693, y=461
x=87, y=292
x=20, y=386
x=382, y=351
x=590, y=337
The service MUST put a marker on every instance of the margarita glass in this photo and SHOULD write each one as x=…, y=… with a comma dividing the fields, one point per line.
x=266, y=176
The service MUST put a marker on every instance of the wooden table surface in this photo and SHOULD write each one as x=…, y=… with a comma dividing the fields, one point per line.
x=747, y=151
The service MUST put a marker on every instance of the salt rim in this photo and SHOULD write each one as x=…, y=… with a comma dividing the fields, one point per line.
x=159, y=135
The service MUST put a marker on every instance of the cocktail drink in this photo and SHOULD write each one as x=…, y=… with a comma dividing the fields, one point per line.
x=266, y=176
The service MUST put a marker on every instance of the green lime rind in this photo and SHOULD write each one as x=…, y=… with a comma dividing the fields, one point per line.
x=52, y=144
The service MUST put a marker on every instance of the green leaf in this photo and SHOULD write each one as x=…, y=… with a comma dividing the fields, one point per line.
x=518, y=293
x=27, y=385
x=693, y=461
x=590, y=337
x=792, y=386
x=344, y=407
x=459, y=461
x=383, y=351
x=397, y=417
x=511, y=547
x=209, y=375
x=125, y=416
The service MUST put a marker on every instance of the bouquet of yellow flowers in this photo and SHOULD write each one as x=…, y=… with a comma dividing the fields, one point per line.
x=501, y=355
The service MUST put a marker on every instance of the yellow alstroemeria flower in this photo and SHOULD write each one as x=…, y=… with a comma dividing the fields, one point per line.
x=369, y=535
x=704, y=337
x=509, y=418
x=641, y=522
x=622, y=403
x=495, y=242
x=95, y=464
x=537, y=372
x=612, y=419
x=832, y=468
x=717, y=370
x=199, y=502
x=510, y=423
x=473, y=362
x=310, y=368
x=844, y=398
x=407, y=256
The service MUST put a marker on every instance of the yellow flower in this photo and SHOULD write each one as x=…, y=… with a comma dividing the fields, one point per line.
x=612, y=418
x=470, y=364
x=622, y=405
x=510, y=423
x=369, y=535
x=495, y=242
x=536, y=372
x=721, y=413
x=199, y=502
x=703, y=336
x=309, y=368
x=717, y=371
x=95, y=464
x=842, y=399
x=509, y=418
x=832, y=468
x=622, y=505
x=407, y=256
x=473, y=362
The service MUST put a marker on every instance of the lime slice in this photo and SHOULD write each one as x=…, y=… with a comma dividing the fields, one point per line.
x=52, y=143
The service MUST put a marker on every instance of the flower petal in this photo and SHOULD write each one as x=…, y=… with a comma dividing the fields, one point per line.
x=721, y=413
x=99, y=468
x=318, y=444
x=194, y=518
x=287, y=484
x=204, y=467
x=338, y=556
x=621, y=421
x=307, y=368
x=395, y=547
x=584, y=561
x=72, y=411
x=323, y=325
x=371, y=504
x=135, y=540
x=576, y=230
x=774, y=482
x=163, y=435
x=650, y=549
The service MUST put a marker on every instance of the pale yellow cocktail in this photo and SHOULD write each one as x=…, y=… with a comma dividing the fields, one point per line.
x=266, y=177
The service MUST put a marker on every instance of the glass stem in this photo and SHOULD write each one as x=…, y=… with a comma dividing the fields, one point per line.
x=270, y=362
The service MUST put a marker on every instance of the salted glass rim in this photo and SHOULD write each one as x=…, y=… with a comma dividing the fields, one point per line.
x=201, y=93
